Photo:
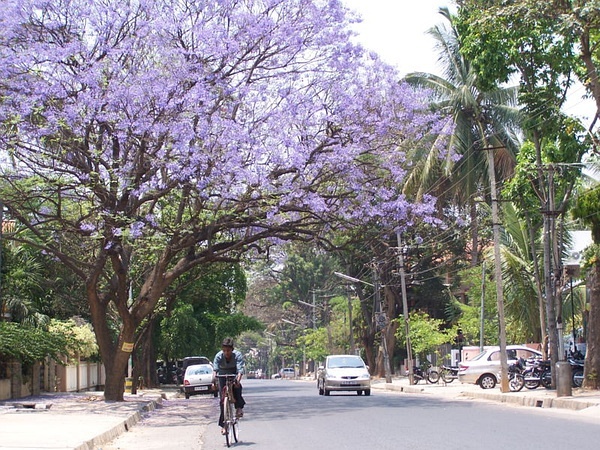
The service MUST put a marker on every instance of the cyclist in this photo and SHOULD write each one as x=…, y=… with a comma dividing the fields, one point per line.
x=230, y=361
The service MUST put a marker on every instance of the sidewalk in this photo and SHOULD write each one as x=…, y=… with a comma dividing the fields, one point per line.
x=82, y=421
x=71, y=421
x=540, y=397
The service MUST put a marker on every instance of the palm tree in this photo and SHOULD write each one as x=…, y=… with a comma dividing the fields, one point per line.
x=454, y=168
x=519, y=270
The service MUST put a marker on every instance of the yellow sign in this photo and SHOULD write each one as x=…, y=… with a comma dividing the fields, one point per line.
x=127, y=347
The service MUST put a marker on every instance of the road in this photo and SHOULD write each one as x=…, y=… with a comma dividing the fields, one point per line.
x=290, y=415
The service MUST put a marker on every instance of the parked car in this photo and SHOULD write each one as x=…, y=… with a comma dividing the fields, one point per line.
x=199, y=379
x=484, y=369
x=344, y=373
x=189, y=361
x=288, y=372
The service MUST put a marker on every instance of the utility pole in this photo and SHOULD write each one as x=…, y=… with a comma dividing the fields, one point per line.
x=498, y=272
x=352, y=349
x=383, y=325
x=405, y=308
x=482, y=313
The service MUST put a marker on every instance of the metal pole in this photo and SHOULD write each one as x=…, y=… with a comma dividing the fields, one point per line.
x=573, y=317
x=352, y=350
x=405, y=309
x=482, y=315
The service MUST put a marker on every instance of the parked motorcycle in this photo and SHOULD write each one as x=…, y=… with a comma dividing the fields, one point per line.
x=537, y=372
x=576, y=371
x=516, y=381
x=425, y=373
x=449, y=373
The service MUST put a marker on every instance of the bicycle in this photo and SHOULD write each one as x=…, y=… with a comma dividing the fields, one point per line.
x=230, y=421
x=449, y=373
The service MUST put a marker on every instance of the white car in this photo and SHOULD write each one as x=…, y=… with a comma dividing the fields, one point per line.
x=344, y=373
x=484, y=369
x=288, y=372
x=199, y=379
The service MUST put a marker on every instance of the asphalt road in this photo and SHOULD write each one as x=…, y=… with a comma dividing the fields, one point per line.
x=290, y=415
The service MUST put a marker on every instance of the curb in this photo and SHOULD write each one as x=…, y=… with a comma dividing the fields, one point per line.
x=533, y=401
x=114, y=432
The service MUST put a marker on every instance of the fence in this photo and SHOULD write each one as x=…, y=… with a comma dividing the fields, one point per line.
x=48, y=376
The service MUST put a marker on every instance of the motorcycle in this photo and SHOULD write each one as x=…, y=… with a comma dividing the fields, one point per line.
x=577, y=371
x=516, y=381
x=536, y=373
x=425, y=373
x=449, y=373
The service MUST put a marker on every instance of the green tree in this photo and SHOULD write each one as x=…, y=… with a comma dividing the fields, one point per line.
x=526, y=40
x=453, y=168
x=154, y=139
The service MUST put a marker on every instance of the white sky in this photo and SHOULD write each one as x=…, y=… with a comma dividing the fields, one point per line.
x=397, y=31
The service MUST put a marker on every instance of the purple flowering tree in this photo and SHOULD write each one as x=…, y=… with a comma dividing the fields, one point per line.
x=144, y=138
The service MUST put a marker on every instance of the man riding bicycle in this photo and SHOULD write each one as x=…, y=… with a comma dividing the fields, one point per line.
x=230, y=362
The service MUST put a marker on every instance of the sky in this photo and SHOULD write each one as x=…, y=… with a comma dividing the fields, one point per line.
x=397, y=31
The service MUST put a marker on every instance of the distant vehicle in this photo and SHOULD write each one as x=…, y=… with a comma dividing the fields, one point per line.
x=344, y=373
x=199, y=379
x=288, y=372
x=188, y=361
x=484, y=369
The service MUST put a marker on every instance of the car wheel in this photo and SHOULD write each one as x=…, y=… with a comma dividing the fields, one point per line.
x=367, y=392
x=358, y=392
x=487, y=381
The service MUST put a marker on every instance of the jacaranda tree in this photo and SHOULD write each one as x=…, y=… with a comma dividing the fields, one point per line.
x=143, y=138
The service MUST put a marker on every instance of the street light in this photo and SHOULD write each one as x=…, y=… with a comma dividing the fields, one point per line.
x=349, y=278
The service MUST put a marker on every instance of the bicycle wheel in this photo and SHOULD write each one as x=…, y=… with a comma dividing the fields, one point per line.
x=232, y=431
x=228, y=419
x=446, y=376
x=433, y=376
x=516, y=382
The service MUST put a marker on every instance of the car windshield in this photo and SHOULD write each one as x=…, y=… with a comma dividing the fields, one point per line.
x=344, y=362
x=199, y=371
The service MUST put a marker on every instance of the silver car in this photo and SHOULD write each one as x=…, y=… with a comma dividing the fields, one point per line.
x=484, y=369
x=344, y=373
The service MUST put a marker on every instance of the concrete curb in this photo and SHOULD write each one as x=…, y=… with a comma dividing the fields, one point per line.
x=527, y=398
x=114, y=432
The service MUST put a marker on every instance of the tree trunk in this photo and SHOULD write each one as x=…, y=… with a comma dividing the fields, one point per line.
x=592, y=358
